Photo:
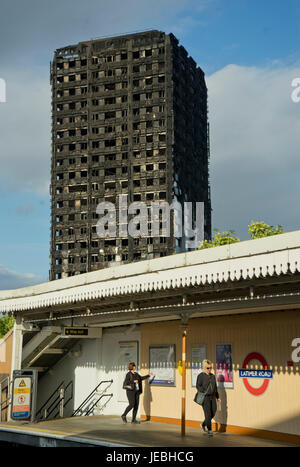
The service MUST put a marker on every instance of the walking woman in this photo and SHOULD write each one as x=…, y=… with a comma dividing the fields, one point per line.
x=206, y=383
x=133, y=385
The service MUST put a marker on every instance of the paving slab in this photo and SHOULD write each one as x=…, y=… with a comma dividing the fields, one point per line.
x=110, y=431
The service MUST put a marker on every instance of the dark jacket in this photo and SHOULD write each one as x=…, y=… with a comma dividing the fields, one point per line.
x=130, y=377
x=207, y=383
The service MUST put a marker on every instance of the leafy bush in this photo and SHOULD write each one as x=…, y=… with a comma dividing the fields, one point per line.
x=6, y=323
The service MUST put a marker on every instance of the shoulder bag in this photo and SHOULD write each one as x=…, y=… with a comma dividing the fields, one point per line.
x=128, y=387
x=199, y=397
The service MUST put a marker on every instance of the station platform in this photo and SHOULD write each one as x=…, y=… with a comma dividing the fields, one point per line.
x=109, y=431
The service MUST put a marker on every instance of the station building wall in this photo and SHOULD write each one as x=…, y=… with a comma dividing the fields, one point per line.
x=270, y=334
x=6, y=344
x=276, y=411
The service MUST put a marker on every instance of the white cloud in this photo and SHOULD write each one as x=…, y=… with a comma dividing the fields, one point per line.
x=254, y=130
x=13, y=280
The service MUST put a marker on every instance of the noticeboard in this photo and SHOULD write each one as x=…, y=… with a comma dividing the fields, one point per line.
x=128, y=351
x=162, y=364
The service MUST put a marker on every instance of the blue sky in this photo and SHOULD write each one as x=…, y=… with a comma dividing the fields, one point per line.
x=248, y=50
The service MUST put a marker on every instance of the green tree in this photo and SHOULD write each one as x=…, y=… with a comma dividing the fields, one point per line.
x=256, y=230
x=260, y=229
x=219, y=239
x=6, y=323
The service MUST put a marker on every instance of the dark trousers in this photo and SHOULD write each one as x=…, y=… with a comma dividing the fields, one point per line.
x=133, y=399
x=209, y=408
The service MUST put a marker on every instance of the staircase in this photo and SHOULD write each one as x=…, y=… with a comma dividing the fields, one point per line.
x=40, y=344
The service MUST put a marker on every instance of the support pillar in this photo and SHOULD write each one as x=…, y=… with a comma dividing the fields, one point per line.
x=183, y=393
x=185, y=315
x=17, y=347
x=17, y=344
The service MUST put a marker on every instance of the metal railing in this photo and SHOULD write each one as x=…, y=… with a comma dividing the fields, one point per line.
x=57, y=400
x=42, y=413
x=63, y=402
x=88, y=410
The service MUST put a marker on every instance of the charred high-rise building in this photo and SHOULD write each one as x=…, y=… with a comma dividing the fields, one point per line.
x=129, y=116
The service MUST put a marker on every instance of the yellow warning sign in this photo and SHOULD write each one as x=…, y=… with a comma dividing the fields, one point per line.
x=22, y=391
x=21, y=400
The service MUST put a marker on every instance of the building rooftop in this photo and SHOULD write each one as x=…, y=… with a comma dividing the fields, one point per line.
x=269, y=256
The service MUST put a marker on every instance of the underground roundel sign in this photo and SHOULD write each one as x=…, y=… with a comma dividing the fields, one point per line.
x=247, y=374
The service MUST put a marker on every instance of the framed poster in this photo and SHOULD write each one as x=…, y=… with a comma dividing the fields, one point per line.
x=224, y=373
x=128, y=351
x=198, y=354
x=162, y=364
